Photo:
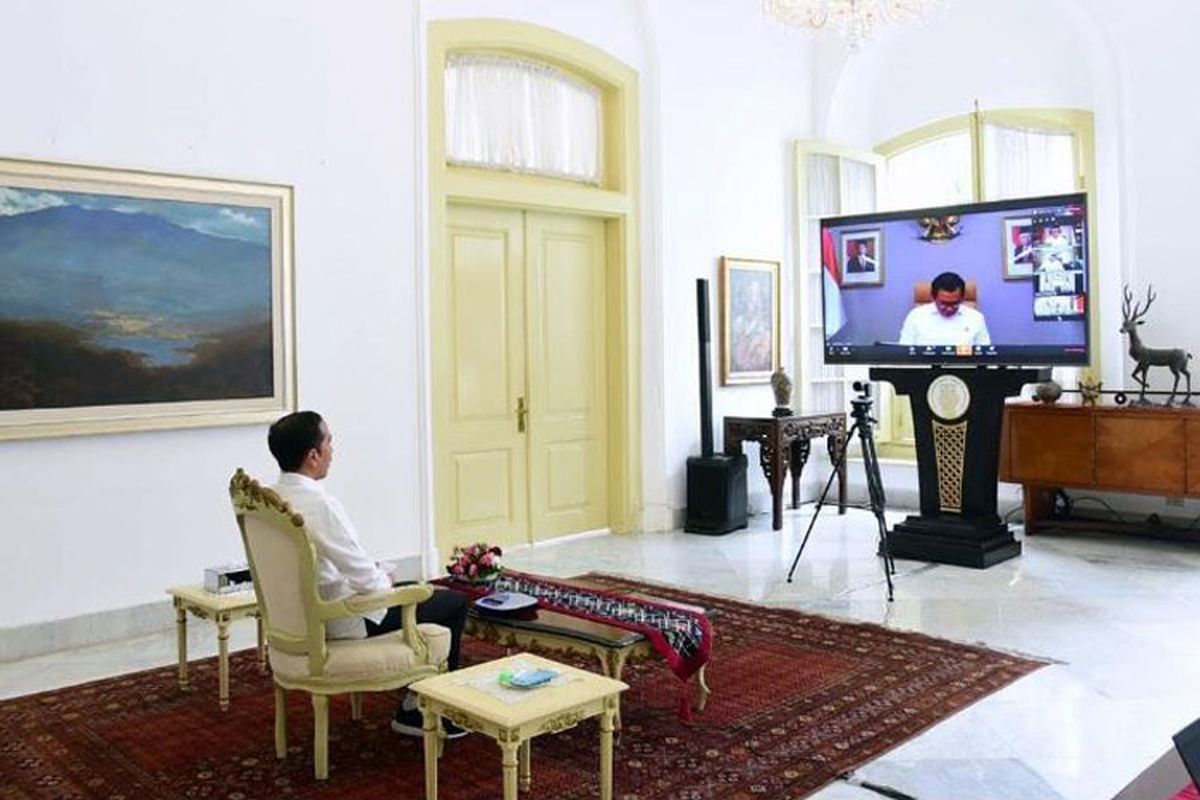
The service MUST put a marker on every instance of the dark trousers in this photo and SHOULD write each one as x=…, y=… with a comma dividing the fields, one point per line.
x=447, y=608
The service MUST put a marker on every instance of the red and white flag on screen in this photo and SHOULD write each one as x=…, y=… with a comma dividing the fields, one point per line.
x=835, y=312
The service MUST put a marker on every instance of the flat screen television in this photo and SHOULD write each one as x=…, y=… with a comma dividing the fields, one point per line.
x=1021, y=294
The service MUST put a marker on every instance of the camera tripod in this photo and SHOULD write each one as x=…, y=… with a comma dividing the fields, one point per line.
x=860, y=411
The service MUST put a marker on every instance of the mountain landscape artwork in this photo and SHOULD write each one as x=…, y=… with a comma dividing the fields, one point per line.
x=112, y=300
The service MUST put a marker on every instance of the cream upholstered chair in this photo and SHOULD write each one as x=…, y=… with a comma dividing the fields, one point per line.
x=283, y=564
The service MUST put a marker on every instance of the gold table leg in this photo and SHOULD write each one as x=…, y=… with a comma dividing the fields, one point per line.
x=606, y=749
x=223, y=659
x=702, y=690
x=429, y=724
x=508, y=752
x=614, y=668
x=181, y=643
x=526, y=765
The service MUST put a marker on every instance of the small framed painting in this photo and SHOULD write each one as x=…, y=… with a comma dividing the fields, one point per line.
x=749, y=320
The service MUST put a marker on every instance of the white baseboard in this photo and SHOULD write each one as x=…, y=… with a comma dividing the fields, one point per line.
x=39, y=638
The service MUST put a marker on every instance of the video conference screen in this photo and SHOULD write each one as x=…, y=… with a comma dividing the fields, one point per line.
x=1003, y=282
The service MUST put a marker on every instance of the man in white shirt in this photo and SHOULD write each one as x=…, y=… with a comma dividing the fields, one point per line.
x=945, y=321
x=303, y=447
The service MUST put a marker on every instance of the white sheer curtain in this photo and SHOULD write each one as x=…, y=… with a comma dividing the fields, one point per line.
x=522, y=116
x=1025, y=162
x=858, y=197
x=933, y=173
x=1021, y=162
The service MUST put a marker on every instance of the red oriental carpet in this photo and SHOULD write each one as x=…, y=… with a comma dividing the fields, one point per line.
x=797, y=699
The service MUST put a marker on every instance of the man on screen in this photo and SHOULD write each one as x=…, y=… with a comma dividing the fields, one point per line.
x=945, y=321
x=860, y=259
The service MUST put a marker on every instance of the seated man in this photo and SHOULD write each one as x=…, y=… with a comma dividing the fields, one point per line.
x=303, y=447
x=945, y=321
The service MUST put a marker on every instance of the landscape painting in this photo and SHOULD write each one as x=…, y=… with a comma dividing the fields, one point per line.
x=133, y=301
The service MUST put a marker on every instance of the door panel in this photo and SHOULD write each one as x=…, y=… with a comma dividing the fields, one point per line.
x=479, y=374
x=568, y=443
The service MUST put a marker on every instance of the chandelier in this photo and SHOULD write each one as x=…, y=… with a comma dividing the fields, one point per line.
x=856, y=20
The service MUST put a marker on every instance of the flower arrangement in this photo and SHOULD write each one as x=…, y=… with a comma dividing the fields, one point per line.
x=475, y=563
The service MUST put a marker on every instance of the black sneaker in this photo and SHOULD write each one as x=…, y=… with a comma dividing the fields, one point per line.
x=409, y=722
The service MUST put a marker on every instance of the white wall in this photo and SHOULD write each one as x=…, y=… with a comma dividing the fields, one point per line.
x=306, y=94
x=300, y=93
x=734, y=93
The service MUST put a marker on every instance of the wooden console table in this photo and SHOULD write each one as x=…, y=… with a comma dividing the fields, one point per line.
x=784, y=443
x=1138, y=449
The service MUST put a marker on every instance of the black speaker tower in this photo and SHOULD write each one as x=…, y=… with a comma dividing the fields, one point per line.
x=716, y=484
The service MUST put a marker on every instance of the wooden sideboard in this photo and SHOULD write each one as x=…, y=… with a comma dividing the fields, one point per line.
x=1138, y=449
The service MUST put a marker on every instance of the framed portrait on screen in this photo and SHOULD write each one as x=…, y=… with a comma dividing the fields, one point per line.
x=1020, y=248
x=862, y=258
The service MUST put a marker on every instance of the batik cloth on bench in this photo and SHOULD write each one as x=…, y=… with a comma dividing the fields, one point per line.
x=682, y=636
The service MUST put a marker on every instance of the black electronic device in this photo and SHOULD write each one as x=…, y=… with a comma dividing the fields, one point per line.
x=716, y=484
x=860, y=412
x=1025, y=297
x=1187, y=742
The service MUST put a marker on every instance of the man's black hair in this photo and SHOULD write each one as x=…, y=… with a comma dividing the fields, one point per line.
x=948, y=282
x=291, y=437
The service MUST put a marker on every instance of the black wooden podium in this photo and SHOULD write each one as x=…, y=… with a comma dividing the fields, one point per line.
x=957, y=414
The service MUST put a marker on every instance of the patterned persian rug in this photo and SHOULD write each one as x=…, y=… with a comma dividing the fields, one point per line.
x=797, y=699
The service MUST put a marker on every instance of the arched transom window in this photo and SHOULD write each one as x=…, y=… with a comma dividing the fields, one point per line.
x=520, y=115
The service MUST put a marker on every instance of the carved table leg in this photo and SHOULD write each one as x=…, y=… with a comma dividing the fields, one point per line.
x=526, y=768
x=606, y=747
x=508, y=759
x=702, y=690
x=836, y=444
x=800, y=451
x=181, y=643
x=613, y=668
x=429, y=724
x=223, y=659
x=774, y=458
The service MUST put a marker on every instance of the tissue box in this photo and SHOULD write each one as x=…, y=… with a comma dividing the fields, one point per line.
x=229, y=578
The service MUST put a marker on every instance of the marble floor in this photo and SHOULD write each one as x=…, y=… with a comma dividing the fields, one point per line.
x=1119, y=615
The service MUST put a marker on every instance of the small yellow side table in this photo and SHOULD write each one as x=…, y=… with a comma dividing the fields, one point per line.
x=221, y=609
x=547, y=709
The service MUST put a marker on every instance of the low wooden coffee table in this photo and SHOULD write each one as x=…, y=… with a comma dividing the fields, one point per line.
x=548, y=709
x=553, y=632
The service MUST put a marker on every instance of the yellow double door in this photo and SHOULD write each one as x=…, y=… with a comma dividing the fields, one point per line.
x=520, y=393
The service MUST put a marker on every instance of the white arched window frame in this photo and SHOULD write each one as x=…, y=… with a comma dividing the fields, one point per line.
x=520, y=115
x=987, y=155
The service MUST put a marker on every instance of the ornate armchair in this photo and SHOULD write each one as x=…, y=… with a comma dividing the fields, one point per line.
x=283, y=564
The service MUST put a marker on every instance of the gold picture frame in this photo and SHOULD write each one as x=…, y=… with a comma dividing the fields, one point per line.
x=750, y=340
x=133, y=301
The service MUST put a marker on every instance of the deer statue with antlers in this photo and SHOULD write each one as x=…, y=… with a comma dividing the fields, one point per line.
x=1176, y=359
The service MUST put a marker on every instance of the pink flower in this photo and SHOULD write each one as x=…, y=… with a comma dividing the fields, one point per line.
x=486, y=561
x=457, y=569
x=473, y=570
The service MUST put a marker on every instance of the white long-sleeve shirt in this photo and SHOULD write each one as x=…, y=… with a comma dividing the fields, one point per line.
x=924, y=325
x=344, y=567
